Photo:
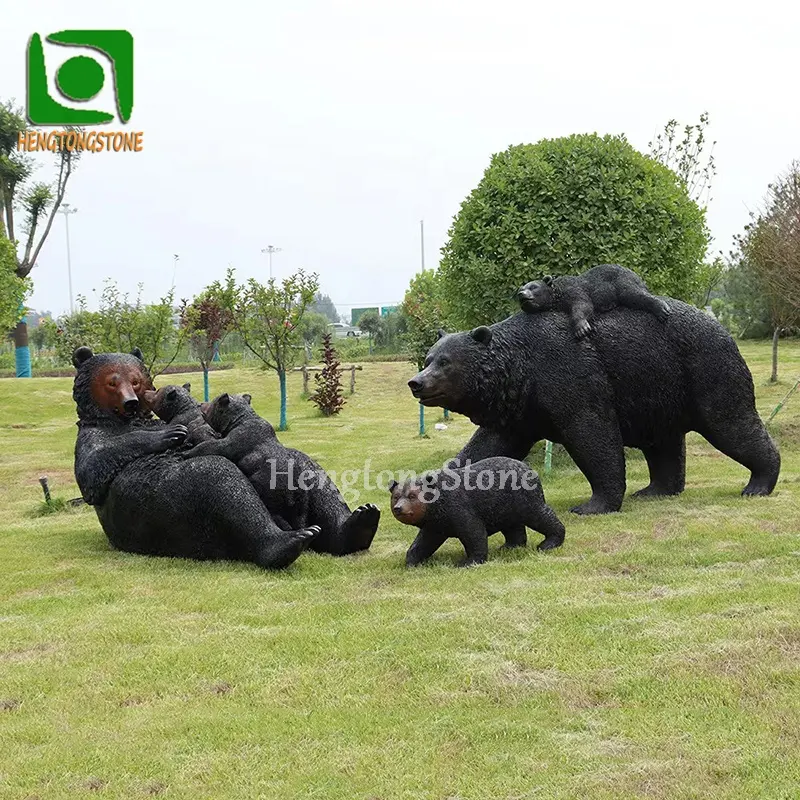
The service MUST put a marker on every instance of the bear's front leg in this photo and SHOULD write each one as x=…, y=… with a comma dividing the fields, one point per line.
x=594, y=442
x=428, y=541
x=475, y=539
x=581, y=313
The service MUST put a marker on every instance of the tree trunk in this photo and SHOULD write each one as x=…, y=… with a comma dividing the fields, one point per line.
x=774, y=376
x=22, y=352
x=282, y=379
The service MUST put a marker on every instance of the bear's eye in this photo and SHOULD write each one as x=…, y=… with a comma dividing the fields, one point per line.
x=444, y=361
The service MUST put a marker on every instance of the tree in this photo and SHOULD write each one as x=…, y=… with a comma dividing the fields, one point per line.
x=370, y=323
x=314, y=326
x=422, y=309
x=329, y=398
x=743, y=307
x=771, y=244
x=82, y=327
x=560, y=207
x=687, y=157
x=125, y=325
x=13, y=289
x=38, y=201
x=207, y=323
x=695, y=167
x=268, y=318
x=324, y=305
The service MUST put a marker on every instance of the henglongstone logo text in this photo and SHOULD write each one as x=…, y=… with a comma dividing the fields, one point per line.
x=77, y=80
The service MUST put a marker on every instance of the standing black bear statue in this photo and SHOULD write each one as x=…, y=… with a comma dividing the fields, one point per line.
x=639, y=383
x=147, y=498
x=293, y=487
x=599, y=289
x=496, y=495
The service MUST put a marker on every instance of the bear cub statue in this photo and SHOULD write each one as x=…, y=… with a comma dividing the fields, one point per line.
x=598, y=290
x=470, y=504
x=291, y=485
x=175, y=404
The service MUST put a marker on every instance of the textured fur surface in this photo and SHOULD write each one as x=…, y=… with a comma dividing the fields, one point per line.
x=175, y=404
x=292, y=485
x=597, y=290
x=637, y=383
x=148, y=499
x=495, y=495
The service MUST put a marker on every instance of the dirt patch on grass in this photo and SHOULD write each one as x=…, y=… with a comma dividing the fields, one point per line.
x=617, y=542
x=27, y=654
x=10, y=704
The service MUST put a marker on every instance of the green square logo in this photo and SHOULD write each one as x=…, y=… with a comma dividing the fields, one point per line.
x=80, y=78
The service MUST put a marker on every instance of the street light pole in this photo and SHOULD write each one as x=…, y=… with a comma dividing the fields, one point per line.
x=66, y=210
x=270, y=249
x=175, y=258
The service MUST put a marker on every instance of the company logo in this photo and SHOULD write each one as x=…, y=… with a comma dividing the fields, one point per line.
x=80, y=78
x=55, y=95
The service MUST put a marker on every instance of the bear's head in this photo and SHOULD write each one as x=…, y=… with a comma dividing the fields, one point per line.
x=451, y=366
x=410, y=499
x=110, y=385
x=169, y=401
x=226, y=411
x=537, y=295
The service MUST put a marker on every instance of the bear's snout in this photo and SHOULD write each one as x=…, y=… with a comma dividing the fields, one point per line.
x=415, y=384
x=131, y=405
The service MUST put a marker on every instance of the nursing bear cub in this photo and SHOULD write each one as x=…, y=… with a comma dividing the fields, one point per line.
x=495, y=495
x=292, y=486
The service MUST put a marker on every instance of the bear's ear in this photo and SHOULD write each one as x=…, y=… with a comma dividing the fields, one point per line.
x=547, y=280
x=187, y=386
x=392, y=485
x=441, y=333
x=224, y=399
x=247, y=398
x=80, y=355
x=172, y=394
x=482, y=334
x=138, y=353
x=429, y=480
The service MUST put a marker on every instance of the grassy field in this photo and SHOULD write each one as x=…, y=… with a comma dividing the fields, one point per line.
x=655, y=655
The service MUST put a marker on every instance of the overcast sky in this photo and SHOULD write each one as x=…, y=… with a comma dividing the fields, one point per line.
x=331, y=129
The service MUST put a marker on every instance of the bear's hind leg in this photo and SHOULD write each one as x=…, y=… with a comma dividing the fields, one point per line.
x=748, y=442
x=667, y=464
x=545, y=521
x=642, y=300
x=515, y=536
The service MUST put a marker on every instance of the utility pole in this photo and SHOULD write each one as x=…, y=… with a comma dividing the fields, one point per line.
x=422, y=243
x=175, y=258
x=66, y=210
x=270, y=249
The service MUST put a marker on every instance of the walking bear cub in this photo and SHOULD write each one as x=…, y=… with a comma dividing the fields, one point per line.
x=599, y=289
x=176, y=405
x=472, y=503
x=291, y=485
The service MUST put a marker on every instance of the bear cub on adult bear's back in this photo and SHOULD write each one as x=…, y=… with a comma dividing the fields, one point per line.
x=175, y=404
x=599, y=289
x=472, y=503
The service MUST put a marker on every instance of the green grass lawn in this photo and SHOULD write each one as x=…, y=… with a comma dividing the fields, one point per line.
x=655, y=655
